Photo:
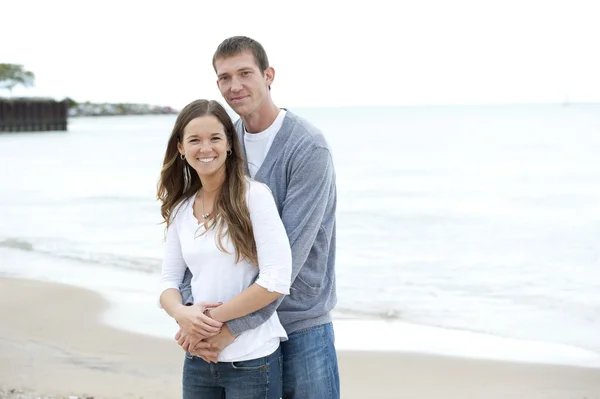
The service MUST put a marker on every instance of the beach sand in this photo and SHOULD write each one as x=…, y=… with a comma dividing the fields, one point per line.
x=52, y=344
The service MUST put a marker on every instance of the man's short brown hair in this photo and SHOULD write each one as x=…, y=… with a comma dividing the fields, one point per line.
x=237, y=44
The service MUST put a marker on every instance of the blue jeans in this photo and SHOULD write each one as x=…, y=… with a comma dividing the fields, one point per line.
x=310, y=367
x=248, y=379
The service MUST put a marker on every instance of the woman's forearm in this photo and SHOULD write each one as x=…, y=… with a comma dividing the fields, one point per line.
x=250, y=300
x=170, y=300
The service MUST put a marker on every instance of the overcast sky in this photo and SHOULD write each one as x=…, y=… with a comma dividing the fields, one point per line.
x=325, y=53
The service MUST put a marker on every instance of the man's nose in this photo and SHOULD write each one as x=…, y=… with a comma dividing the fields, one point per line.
x=236, y=85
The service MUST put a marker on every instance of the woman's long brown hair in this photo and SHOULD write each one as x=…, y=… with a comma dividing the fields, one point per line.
x=178, y=181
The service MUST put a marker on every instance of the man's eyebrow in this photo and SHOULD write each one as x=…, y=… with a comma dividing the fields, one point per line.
x=239, y=70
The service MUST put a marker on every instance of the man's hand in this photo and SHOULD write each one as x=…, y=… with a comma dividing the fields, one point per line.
x=187, y=340
x=194, y=325
x=209, y=348
x=203, y=350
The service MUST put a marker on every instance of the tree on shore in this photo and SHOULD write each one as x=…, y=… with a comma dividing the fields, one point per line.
x=12, y=75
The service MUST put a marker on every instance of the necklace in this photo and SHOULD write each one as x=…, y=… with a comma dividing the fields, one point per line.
x=204, y=215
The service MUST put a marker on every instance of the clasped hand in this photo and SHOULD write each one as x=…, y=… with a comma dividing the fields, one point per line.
x=200, y=335
x=194, y=325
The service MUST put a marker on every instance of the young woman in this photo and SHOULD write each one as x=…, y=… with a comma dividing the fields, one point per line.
x=226, y=228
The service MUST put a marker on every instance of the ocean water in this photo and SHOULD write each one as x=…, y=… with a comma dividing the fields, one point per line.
x=470, y=231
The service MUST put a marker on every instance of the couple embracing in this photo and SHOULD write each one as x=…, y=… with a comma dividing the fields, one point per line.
x=249, y=265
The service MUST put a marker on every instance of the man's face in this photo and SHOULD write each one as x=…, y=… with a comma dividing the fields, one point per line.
x=241, y=82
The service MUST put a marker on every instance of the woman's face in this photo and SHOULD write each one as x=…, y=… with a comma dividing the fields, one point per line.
x=205, y=146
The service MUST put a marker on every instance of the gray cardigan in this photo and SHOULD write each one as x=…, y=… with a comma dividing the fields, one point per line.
x=299, y=171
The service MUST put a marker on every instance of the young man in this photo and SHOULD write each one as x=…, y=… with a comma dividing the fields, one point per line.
x=293, y=158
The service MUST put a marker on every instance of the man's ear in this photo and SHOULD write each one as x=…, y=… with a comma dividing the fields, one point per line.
x=269, y=75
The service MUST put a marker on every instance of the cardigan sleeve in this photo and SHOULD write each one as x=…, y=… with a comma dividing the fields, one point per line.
x=272, y=244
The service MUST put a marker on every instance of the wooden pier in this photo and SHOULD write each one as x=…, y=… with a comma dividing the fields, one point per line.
x=32, y=115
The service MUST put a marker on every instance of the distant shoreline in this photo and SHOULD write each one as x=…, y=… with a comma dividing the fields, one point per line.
x=118, y=109
x=89, y=108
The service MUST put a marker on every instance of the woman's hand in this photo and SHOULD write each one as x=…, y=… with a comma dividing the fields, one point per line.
x=209, y=349
x=195, y=325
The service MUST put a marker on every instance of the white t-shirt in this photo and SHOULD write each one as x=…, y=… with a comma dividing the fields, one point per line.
x=258, y=144
x=216, y=276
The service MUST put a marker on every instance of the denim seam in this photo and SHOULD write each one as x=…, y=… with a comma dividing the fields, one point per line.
x=263, y=366
x=214, y=370
x=307, y=329
x=324, y=339
x=268, y=374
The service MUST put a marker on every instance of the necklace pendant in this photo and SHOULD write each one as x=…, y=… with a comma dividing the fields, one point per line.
x=205, y=215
